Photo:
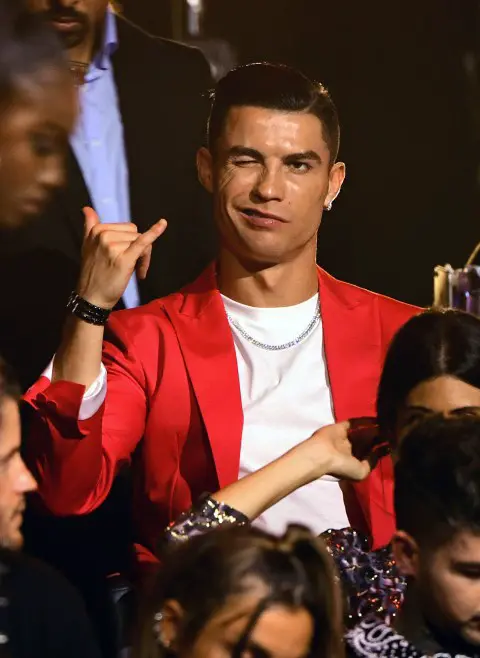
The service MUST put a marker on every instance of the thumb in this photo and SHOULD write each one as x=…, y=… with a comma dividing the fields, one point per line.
x=91, y=220
x=361, y=471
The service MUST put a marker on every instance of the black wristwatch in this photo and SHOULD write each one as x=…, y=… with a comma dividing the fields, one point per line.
x=87, y=312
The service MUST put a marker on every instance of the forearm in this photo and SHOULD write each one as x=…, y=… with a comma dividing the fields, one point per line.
x=79, y=357
x=258, y=491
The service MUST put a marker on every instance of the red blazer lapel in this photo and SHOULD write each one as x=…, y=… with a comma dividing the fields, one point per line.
x=353, y=347
x=198, y=317
x=354, y=356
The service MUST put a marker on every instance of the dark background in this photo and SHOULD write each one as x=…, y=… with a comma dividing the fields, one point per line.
x=405, y=79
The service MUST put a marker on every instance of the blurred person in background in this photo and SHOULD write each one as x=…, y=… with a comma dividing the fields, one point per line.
x=38, y=108
x=242, y=592
x=143, y=108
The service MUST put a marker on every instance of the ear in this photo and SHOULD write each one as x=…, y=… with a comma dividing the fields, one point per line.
x=335, y=182
x=205, y=168
x=406, y=553
x=169, y=625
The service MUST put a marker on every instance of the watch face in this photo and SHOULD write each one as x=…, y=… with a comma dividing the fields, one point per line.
x=364, y=435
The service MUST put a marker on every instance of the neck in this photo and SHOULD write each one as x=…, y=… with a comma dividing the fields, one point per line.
x=268, y=286
x=85, y=51
x=414, y=626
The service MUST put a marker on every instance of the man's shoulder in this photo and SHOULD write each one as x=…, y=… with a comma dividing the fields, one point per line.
x=39, y=581
x=142, y=319
x=134, y=37
x=46, y=612
x=156, y=315
x=355, y=294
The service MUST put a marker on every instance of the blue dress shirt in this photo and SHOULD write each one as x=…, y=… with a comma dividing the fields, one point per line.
x=99, y=146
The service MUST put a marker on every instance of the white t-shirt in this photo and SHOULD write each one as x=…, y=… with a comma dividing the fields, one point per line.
x=286, y=398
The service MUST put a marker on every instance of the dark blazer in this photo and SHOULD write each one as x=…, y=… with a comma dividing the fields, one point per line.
x=161, y=88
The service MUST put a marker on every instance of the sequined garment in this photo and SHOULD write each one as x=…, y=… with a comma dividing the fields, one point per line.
x=207, y=515
x=374, y=638
x=370, y=579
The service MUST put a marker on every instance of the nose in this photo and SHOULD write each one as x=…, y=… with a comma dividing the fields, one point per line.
x=53, y=173
x=269, y=186
x=26, y=482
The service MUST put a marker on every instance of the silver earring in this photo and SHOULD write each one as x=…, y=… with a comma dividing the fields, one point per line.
x=329, y=207
x=157, y=628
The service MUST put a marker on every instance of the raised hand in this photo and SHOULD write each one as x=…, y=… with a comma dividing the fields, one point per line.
x=110, y=255
x=329, y=450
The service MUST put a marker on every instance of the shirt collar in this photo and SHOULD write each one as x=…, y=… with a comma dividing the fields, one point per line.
x=101, y=60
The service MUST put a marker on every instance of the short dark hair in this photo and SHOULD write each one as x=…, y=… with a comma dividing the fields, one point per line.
x=429, y=345
x=274, y=87
x=205, y=571
x=27, y=45
x=8, y=383
x=437, y=479
x=8, y=386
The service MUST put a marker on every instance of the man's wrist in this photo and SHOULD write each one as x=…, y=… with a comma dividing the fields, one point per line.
x=85, y=310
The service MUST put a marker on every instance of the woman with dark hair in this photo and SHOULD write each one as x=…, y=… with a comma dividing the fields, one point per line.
x=37, y=112
x=240, y=592
x=432, y=366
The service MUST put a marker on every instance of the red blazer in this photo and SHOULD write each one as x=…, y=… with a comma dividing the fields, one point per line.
x=173, y=409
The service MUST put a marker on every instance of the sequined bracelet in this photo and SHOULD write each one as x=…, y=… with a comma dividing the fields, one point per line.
x=206, y=515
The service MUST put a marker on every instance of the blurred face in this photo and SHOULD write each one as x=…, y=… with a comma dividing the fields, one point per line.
x=279, y=633
x=15, y=479
x=34, y=130
x=76, y=21
x=446, y=395
x=448, y=584
x=271, y=179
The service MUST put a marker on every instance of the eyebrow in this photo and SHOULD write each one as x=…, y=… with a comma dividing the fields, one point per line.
x=235, y=151
x=416, y=407
x=461, y=410
x=457, y=410
x=304, y=155
x=4, y=459
x=465, y=564
x=245, y=151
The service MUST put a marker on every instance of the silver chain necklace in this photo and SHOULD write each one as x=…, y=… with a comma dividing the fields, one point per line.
x=285, y=346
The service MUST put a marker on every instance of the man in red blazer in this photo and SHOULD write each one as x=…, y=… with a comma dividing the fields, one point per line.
x=210, y=383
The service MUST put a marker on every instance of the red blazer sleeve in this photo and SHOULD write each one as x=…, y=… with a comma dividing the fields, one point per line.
x=75, y=462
